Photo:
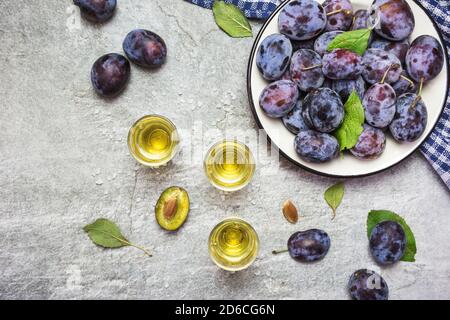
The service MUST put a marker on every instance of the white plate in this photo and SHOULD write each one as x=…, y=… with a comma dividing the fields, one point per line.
x=434, y=95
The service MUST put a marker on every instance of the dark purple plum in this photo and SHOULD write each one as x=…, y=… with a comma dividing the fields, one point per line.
x=96, y=10
x=370, y=145
x=279, y=98
x=404, y=85
x=360, y=19
x=410, y=118
x=145, y=48
x=339, y=13
x=316, y=147
x=302, y=19
x=377, y=62
x=392, y=19
x=425, y=59
x=306, y=70
x=309, y=246
x=342, y=64
x=273, y=56
x=307, y=44
x=387, y=242
x=379, y=105
x=110, y=74
x=344, y=88
x=322, y=42
x=325, y=110
x=367, y=285
x=398, y=48
x=293, y=121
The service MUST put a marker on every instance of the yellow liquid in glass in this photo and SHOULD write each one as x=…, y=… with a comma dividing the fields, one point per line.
x=153, y=140
x=229, y=165
x=233, y=244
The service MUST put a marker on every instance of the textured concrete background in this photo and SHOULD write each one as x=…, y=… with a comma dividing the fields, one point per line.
x=64, y=162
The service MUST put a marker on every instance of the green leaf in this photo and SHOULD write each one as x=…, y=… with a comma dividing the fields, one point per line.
x=356, y=41
x=107, y=234
x=352, y=126
x=377, y=216
x=231, y=20
x=334, y=195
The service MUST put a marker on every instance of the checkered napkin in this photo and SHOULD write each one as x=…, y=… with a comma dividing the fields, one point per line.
x=437, y=147
x=256, y=9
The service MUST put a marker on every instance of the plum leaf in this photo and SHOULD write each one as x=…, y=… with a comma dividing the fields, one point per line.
x=334, y=195
x=107, y=234
x=356, y=41
x=231, y=20
x=352, y=126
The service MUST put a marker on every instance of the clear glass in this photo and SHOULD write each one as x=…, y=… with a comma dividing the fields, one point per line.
x=153, y=140
x=233, y=244
x=229, y=165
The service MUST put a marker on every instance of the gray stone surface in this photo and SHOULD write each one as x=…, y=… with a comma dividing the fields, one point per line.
x=64, y=162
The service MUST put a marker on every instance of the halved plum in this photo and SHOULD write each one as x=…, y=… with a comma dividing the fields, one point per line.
x=172, y=208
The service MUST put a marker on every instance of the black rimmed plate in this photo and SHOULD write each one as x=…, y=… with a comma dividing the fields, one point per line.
x=434, y=94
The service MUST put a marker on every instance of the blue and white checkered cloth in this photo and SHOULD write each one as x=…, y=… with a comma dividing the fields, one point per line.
x=255, y=9
x=437, y=147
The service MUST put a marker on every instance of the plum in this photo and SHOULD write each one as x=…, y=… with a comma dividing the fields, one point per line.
x=110, y=74
x=342, y=64
x=379, y=105
x=410, y=119
x=425, y=59
x=293, y=121
x=392, y=19
x=273, y=56
x=309, y=246
x=302, y=19
x=339, y=13
x=371, y=144
x=172, y=208
x=324, y=109
x=279, y=98
x=367, y=285
x=377, y=63
x=145, y=48
x=387, y=242
x=316, y=147
x=96, y=10
x=306, y=70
